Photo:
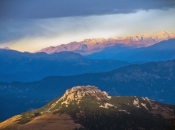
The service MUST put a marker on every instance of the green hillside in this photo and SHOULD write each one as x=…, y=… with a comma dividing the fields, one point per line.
x=95, y=110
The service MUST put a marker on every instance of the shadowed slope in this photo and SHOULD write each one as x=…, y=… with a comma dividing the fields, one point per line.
x=154, y=80
x=18, y=66
x=162, y=51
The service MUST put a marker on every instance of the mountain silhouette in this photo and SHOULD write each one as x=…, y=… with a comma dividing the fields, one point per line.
x=18, y=66
x=162, y=51
x=154, y=80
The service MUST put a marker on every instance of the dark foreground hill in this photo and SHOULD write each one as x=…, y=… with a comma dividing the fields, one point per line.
x=88, y=108
x=154, y=80
x=25, y=67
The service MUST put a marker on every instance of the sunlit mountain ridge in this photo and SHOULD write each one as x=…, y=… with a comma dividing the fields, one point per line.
x=90, y=46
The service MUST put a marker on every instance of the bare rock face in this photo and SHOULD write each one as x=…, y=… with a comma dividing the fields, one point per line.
x=80, y=101
x=78, y=93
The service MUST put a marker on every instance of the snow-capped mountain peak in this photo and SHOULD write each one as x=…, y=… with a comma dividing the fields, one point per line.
x=89, y=46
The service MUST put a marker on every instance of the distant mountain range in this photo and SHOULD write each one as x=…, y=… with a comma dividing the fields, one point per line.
x=154, y=80
x=18, y=66
x=162, y=51
x=88, y=108
x=90, y=46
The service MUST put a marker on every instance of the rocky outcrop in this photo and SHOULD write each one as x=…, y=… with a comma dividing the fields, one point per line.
x=77, y=93
x=63, y=113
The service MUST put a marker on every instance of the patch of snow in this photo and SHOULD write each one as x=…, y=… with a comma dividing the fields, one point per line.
x=144, y=105
x=109, y=97
x=125, y=111
x=52, y=106
x=107, y=105
x=106, y=94
x=65, y=102
x=136, y=103
x=146, y=98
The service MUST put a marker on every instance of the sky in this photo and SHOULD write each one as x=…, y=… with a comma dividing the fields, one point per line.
x=30, y=25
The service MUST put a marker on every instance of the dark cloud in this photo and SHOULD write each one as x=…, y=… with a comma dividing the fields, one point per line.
x=16, y=29
x=19, y=9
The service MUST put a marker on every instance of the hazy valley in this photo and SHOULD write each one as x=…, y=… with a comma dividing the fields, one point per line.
x=154, y=80
x=24, y=66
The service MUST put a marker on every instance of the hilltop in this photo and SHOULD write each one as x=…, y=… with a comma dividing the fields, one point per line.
x=87, y=107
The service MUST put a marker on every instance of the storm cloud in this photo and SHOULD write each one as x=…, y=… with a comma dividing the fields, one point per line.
x=30, y=25
x=37, y=9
